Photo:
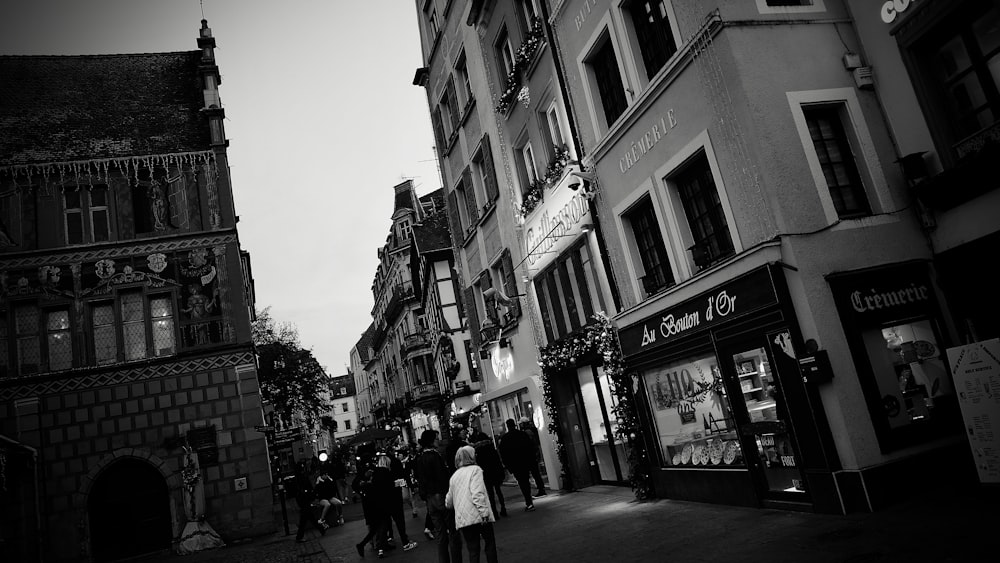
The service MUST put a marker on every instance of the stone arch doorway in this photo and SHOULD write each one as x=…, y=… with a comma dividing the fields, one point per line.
x=129, y=511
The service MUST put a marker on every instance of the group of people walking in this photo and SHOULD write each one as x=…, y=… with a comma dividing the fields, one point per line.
x=463, y=492
x=460, y=483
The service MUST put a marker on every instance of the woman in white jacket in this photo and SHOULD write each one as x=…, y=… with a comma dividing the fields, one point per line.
x=473, y=513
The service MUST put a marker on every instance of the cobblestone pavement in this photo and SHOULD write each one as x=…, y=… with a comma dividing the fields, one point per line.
x=601, y=524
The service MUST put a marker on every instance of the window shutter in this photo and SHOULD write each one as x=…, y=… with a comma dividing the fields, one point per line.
x=489, y=305
x=471, y=205
x=439, y=131
x=453, y=103
x=473, y=315
x=510, y=284
x=455, y=220
x=492, y=191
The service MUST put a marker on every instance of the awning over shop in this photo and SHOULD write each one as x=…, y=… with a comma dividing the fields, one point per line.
x=373, y=435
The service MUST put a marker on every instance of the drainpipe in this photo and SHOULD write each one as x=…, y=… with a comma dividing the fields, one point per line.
x=574, y=133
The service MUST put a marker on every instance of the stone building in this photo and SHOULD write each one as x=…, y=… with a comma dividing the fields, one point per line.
x=125, y=307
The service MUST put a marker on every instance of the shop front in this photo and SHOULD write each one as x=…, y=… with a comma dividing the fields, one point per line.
x=727, y=415
x=898, y=340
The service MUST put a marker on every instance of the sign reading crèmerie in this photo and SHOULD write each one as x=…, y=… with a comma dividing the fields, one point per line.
x=740, y=296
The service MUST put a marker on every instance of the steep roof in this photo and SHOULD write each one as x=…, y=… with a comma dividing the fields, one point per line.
x=64, y=108
x=433, y=233
x=365, y=343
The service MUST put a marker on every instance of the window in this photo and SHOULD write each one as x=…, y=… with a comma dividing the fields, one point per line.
x=483, y=163
x=42, y=342
x=529, y=12
x=465, y=83
x=505, y=272
x=343, y=407
x=347, y=425
x=29, y=353
x=649, y=247
x=959, y=62
x=703, y=209
x=789, y=6
x=85, y=212
x=105, y=341
x=567, y=293
x=132, y=327
x=405, y=230
x=528, y=163
x=468, y=194
x=438, y=123
x=430, y=13
x=837, y=161
x=471, y=361
x=654, y=38
x=683, y=421
x=58, y=340
x=554, y=125
x=505, y=56
x=608, y=79
x=450, y=107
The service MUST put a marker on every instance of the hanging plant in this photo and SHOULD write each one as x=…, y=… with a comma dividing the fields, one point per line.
x=600, y=337
x=532, y=40
x=509, y=96
x=560, y=160
x=532, y=197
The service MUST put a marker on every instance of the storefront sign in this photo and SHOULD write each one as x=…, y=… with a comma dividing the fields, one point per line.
x=503, y=362
x=639, y=148
x=547, y=234
x=883, y=294
x=739, y=297
x=289, y=435
x=585, y=12
x=976, y=369
x=892, y=8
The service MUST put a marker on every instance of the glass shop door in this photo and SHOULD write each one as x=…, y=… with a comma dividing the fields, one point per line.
x=758, y=403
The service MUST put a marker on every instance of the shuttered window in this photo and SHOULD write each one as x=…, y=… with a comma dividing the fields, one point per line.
x=489, y=171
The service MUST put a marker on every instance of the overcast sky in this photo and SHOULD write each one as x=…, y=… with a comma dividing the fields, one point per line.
x=323, y=120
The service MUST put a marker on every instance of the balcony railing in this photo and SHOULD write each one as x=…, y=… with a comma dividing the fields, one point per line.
x=415, y=341
x=425, y=391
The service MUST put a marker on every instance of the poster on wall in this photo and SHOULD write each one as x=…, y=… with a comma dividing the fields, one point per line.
x=976, y=370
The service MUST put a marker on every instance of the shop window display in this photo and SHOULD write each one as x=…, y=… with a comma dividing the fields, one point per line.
x=694, y=420
x=909, y=370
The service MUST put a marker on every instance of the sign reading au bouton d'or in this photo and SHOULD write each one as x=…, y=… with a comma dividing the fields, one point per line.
x=738, y=297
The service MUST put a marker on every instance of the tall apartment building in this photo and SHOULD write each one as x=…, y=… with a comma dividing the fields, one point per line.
x=365, y=385
x=410, y=347
x=782, y=275
x=125, y=308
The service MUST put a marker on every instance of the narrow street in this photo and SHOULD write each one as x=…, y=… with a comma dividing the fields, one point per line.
x=602, y=523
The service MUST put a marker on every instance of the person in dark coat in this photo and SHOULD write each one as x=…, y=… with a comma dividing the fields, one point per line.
x=432, y=478
x=493, y=470
x=517, y=452
x=301, y=488
x=399, y=481
x=532, y=432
